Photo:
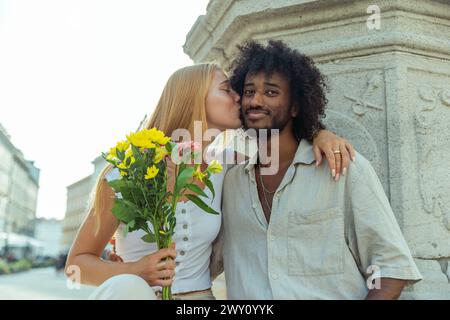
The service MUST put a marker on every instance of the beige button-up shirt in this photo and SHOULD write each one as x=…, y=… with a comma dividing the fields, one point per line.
x=324, y=239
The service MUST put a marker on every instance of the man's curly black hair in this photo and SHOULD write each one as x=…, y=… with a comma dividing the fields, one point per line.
x=307, y=85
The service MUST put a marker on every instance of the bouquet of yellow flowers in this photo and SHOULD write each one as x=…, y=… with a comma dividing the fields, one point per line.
x=145, y=202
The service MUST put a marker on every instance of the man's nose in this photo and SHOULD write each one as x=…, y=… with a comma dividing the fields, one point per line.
x=257, y=100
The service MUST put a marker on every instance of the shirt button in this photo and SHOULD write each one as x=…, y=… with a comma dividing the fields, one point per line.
x=254, y=205
x=274, y=276
x=272, y=238
x=185, y=239
x=185, y=226
x=183, y=210
x=182, y=253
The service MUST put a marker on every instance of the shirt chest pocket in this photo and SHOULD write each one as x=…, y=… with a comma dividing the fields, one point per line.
x=316, y=242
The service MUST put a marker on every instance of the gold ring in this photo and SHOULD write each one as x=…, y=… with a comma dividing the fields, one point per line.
x=337, y=151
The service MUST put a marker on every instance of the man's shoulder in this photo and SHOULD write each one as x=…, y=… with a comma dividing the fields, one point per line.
x=361, y=167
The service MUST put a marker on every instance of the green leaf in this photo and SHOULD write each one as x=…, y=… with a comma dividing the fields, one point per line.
x=149, y=237
x=125, y=187
x=199, y=202
x=183, y=178
x=120, y=154
x=195, y=188
x=141, y=223
x=210, y=186
x=181, y=167
x=146, y=213
x=169, y=147
x=135, y=151
x=113, y=162
x=132, y=206
x=135, y=224
x=117, y=185
x=123, y=211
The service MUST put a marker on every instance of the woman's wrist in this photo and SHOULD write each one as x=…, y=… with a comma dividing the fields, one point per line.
x=125, y=267
x=131, y=268
x=319, y=129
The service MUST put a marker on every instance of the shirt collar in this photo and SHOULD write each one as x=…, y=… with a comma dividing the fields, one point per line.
x=304, y=154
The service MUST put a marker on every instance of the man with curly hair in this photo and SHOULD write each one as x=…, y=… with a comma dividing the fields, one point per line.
x=297, y=234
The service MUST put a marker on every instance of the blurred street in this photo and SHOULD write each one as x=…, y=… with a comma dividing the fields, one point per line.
x=40, y=284
x=46, y=284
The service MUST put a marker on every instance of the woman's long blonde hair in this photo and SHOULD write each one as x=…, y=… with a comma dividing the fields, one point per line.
x=181, y=103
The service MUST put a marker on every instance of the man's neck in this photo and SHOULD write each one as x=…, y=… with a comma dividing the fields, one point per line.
x=280, y=160
x=287, y=147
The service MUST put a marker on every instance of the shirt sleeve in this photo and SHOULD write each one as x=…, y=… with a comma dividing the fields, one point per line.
x=374, y=235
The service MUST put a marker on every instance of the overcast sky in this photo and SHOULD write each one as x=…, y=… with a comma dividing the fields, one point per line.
x=76, y=76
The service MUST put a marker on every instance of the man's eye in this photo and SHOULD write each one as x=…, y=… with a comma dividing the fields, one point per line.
x=271, y=92
x=248, y=92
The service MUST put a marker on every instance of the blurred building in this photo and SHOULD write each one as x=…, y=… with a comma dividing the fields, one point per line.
x=78, y=195
x=19, y=185
x=49, y=233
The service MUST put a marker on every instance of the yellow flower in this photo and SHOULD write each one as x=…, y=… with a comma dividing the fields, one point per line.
x=199, y=174
x=151, y=172
x=160, y=153
x=123, y=165
x=123, y=173
x=158, y=136
x=129, y=153
x=215, y=167
x=141, y=139
x=121, y=145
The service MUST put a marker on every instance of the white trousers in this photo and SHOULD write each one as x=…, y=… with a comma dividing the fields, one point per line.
x=132, y=287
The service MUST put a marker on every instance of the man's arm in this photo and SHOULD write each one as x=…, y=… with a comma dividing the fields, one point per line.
x=390, y=289
x=374, y=236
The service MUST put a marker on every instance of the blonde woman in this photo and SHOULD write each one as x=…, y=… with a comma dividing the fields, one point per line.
x=196, y=93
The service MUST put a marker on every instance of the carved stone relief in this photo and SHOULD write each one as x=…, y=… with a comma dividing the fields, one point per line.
x=432, y=127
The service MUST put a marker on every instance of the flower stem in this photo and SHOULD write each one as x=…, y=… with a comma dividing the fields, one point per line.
x=167, y=291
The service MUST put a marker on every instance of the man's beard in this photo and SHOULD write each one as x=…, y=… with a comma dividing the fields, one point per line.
x=277, y=123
